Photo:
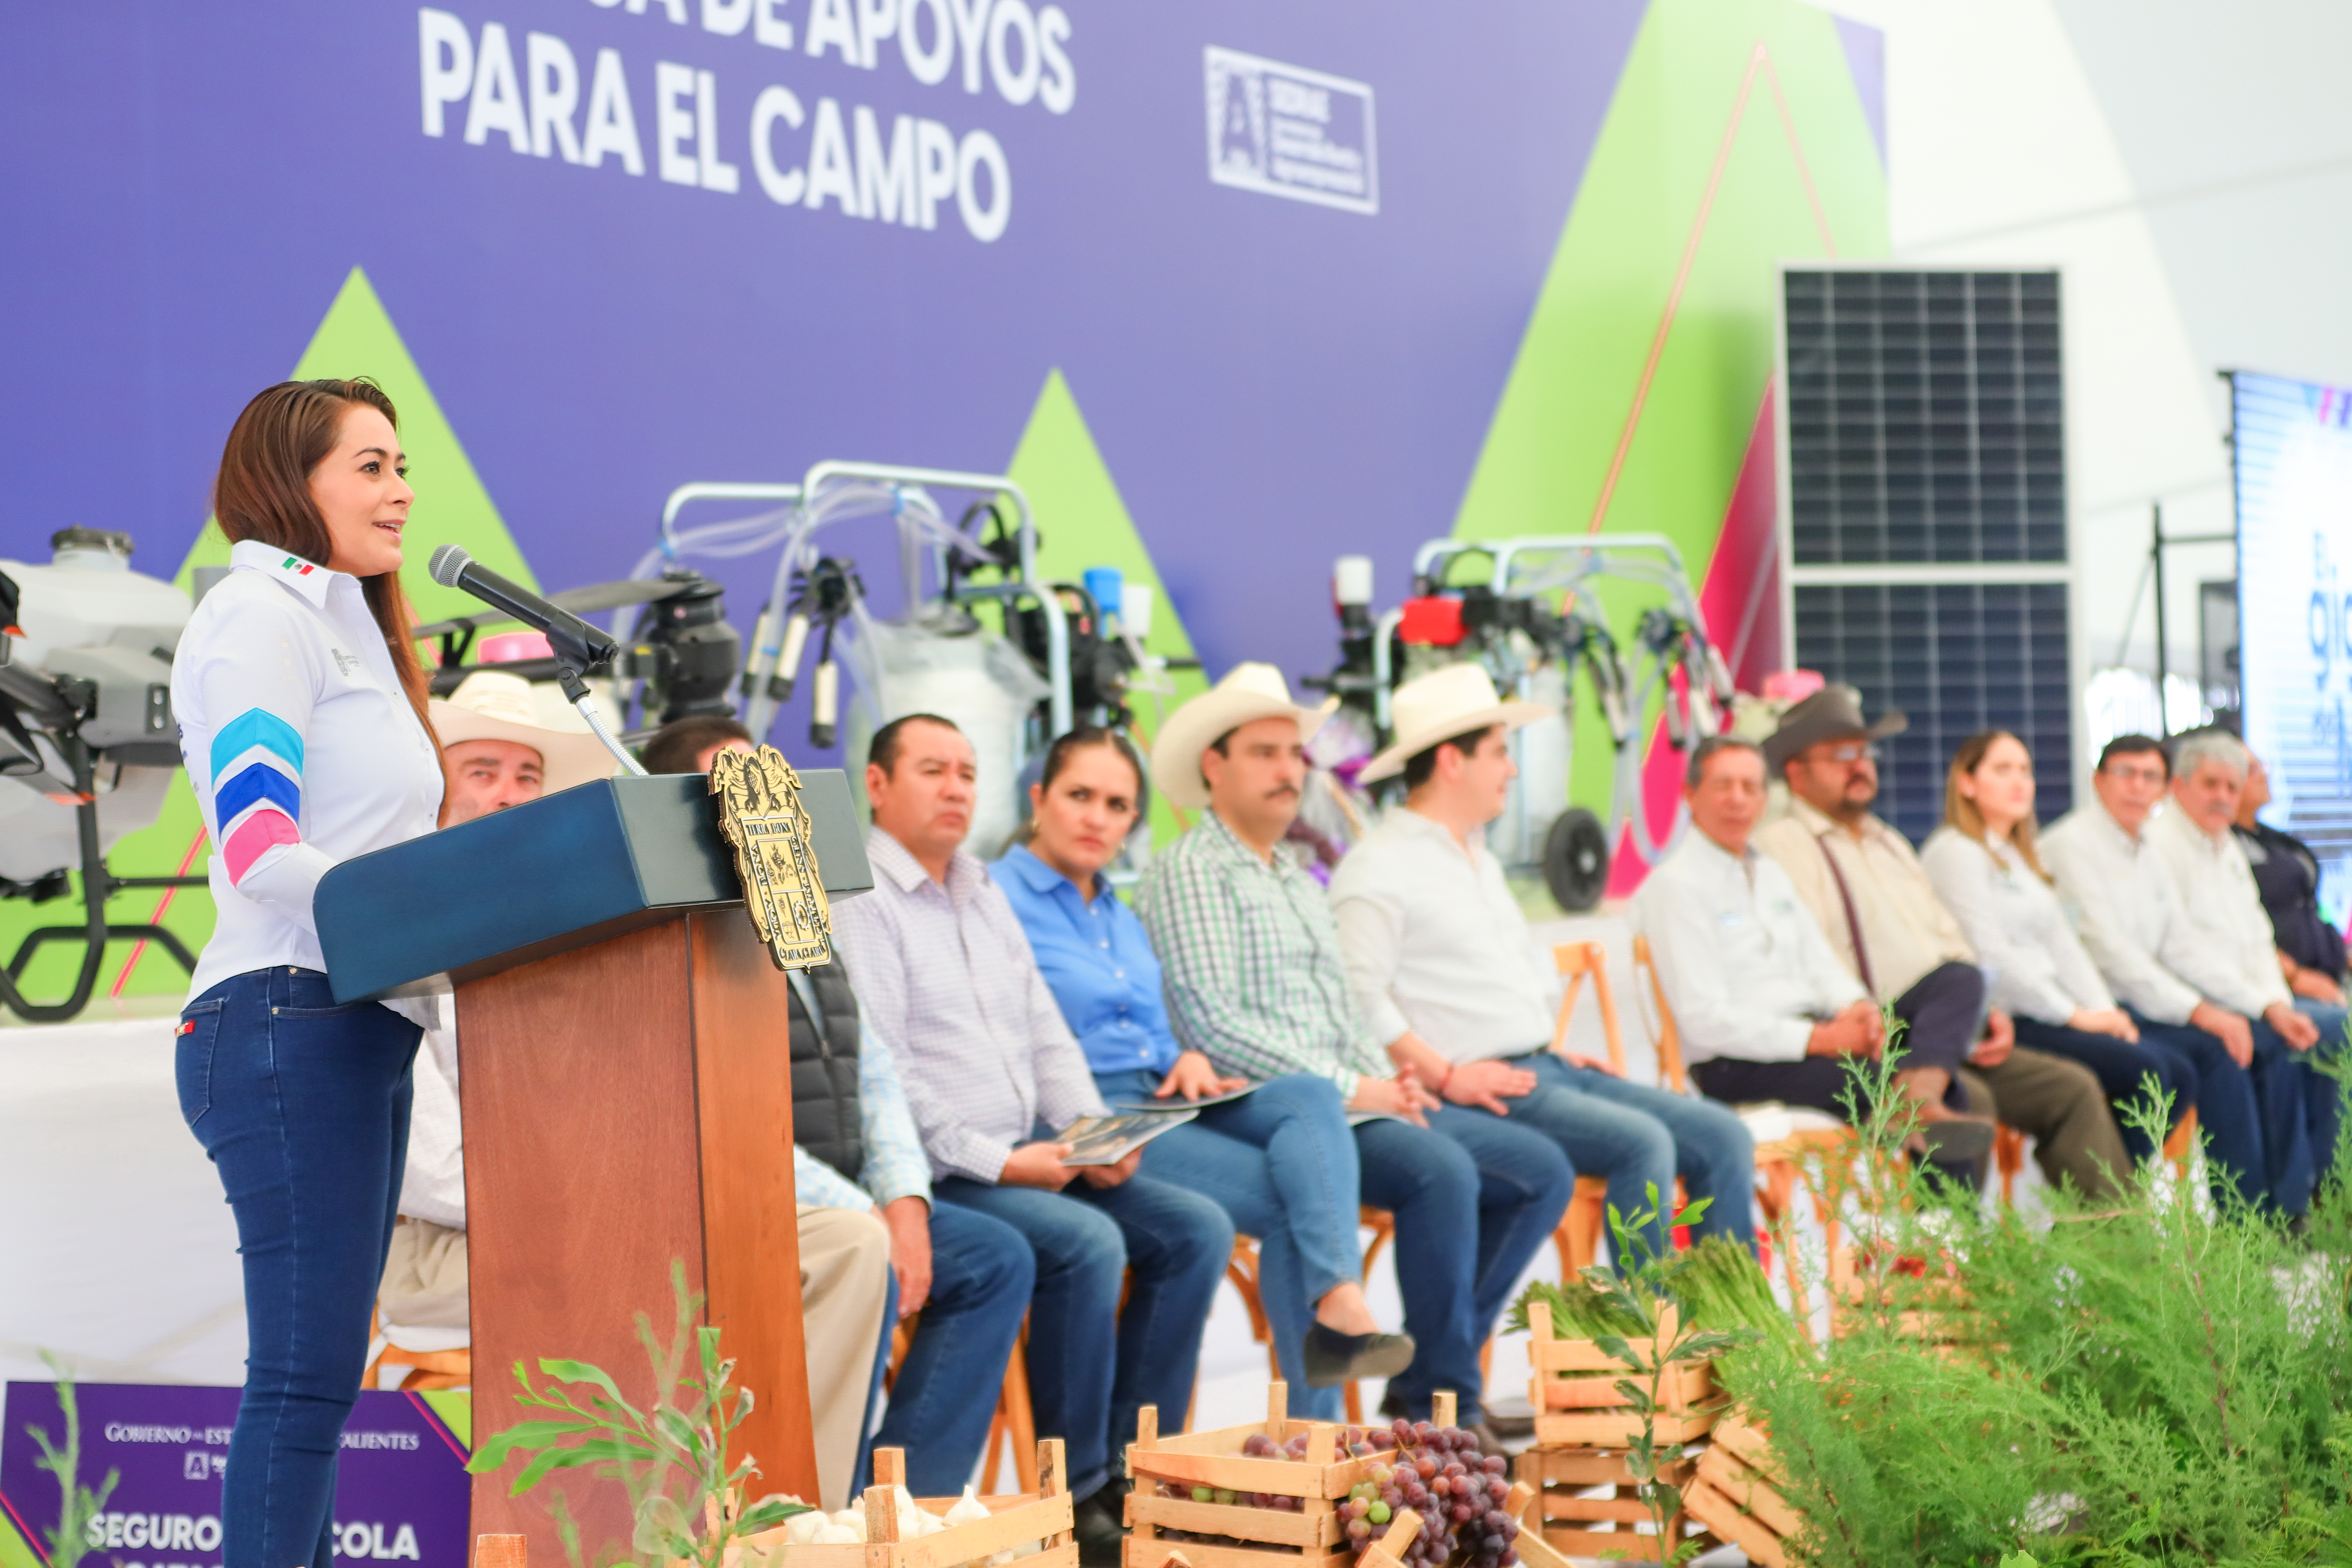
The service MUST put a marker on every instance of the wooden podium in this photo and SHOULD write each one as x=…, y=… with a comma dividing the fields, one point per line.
x=626, y=1092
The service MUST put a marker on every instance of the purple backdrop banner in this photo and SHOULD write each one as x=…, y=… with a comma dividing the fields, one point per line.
x=1282, y=255
x=399, y=1485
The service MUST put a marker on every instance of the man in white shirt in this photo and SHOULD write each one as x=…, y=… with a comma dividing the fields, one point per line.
x=1766, y=1010
x=2194, y=837
x=2169, y=974
x=1880, y=914
x=1457, y=991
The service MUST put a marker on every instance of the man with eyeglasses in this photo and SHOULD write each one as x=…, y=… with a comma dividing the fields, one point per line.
x=1872, y=900
x=2183, y=989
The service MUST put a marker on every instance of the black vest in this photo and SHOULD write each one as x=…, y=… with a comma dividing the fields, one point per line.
x=825, y=1074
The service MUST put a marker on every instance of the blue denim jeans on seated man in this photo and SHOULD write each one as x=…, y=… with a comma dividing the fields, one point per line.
x=1084, y=1385
x=1474, y=1197
x=302, y=1106
x=1640, y=1137
x=1281, y=1162
x=2323, y=1097
x=982, y=1275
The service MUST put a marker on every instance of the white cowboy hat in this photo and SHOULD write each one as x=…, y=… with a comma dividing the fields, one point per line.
x=1458, y=699
x=1248, y=693
x=492, y=705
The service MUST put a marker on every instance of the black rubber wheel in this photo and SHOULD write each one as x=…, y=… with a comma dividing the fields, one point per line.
x=1575, y=860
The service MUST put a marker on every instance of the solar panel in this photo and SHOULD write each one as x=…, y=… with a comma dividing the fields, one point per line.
x=1957, y=657
x=1926, y=514
x=1926, y=418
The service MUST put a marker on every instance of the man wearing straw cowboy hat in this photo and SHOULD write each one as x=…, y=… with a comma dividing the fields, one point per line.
x=1454, y=984
x=500, y=749
x=1255, y=980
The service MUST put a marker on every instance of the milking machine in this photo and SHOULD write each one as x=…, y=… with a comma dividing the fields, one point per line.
x=1532, y=611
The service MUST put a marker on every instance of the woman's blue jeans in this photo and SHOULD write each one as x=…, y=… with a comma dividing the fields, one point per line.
x=1281, y=1162
x=1091, y=1365
x=303, y=1107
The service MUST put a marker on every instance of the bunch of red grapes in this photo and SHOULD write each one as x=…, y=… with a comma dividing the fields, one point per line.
x=1437, y=1471
x=1458, y=1493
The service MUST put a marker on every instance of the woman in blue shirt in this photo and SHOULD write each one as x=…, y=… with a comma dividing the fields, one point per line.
x=1280, y=1159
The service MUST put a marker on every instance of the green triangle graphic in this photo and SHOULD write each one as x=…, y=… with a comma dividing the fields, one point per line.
x=1082, y=522
x=1563, y=409
x=356, y=338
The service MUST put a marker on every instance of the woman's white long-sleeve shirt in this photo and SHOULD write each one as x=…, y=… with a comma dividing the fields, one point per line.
x=301, y=746
x=2014, y=920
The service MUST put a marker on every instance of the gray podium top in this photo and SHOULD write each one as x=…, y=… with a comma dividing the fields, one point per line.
x=595, y=861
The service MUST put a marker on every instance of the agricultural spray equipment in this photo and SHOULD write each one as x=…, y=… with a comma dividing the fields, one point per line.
x=1532, y=612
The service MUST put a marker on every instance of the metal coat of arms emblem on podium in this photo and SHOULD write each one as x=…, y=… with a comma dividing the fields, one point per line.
x=761, y=813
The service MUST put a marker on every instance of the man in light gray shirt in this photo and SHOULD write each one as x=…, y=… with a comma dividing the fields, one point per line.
x=990, y=1070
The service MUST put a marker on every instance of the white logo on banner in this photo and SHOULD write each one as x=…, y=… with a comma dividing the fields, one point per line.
x=1284, y=130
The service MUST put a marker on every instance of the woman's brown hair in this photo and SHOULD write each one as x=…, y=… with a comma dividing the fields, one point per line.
x=264, y=493
x=1962, y=812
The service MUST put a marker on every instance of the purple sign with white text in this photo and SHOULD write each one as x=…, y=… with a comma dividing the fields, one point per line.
x=399, y=1485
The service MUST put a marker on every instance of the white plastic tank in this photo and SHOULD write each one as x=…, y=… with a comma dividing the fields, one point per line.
x=87, y=597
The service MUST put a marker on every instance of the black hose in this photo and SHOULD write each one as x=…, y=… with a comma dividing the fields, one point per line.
x=94, y=892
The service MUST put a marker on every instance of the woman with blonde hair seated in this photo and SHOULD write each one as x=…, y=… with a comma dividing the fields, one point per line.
x=1985, y=868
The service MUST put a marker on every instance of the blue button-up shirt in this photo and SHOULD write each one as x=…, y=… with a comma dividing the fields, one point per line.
x=1096, y=960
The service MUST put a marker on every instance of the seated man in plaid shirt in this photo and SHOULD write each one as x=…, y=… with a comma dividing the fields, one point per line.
x=944, y=971
x=1255, y=980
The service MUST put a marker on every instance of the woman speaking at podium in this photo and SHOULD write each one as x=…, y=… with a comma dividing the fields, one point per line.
x=301, y=710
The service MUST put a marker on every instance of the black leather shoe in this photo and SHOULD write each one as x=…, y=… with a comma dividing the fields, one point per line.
x=1333, y=1357
x=1099, y=1531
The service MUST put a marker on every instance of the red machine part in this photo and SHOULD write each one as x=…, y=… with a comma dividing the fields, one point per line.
x=1434, y=621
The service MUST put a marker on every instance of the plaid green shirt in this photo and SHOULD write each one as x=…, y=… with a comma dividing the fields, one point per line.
x=1251, y=960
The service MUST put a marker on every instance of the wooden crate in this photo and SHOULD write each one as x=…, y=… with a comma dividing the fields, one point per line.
x=1573, y=1387
x=1045, y=1516
x=1564, y=1511
x=1314, y=1537
x=1736, y=1494
x=1938, y=1313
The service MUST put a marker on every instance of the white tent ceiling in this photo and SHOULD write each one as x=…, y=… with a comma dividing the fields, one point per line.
x=2190, y=166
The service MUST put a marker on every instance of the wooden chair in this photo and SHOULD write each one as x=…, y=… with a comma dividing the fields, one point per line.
x=1014, y=1417
x=428, y=1370
x=1578, y=1238
x=1780, y=1162
x=2009, y=1152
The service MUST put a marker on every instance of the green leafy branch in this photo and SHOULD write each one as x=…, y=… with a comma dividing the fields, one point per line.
x=1642, y=1291
x=670, y=1458
x=78, y=1506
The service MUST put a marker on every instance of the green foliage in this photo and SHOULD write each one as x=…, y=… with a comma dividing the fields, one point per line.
x=1637, y=1316
x=2144, y=1382
x=1715, y=1285
x=671, y=1457
x=78, y=1505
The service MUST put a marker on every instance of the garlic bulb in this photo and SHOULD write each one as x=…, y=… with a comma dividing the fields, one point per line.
x=968, y=1509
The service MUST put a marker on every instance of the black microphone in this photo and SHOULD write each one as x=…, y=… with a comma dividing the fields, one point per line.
x=575, y=642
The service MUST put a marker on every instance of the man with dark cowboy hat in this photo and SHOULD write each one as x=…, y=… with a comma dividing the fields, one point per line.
x=1875, y=904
